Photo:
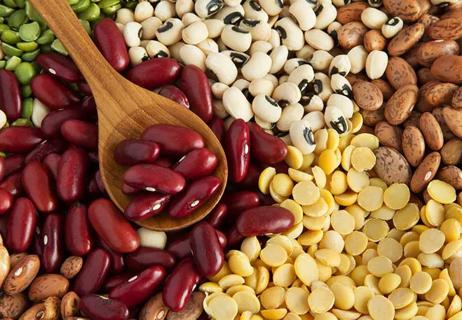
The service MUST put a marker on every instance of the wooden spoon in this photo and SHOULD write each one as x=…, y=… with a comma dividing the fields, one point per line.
x=125, y=110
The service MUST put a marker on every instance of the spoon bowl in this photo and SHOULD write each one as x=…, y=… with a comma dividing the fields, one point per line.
x=125, y=110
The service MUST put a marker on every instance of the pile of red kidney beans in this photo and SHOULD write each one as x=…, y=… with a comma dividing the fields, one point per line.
x=53, y=202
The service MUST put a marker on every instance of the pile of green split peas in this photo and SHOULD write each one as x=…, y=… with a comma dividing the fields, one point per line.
x=24, y=35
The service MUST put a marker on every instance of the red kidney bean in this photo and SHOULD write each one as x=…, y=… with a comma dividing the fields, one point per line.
x=154, y=178
x=84, y=88
x=13, y=184
x=140, y=287
x=196, y=194
x=37, y=183
x=218, y=215
x=164, y=162
x=6, y=201
x=237, y=142
x=174, y=140
x=80, y=133
x=194, y=83
x=263, y=220
x=234, y=237
x=11, y=164
x=19, y=139
x=154, y=73
x=251, y=179
x=117, y=259
x=44, y=149
x=52, y=244
x=129, y=189
x=77, y=234
x=51, y=124
x=111, y=44
x=222, y=239
x=134, y=151
x=175, y=94
x=146, y=205
x=181, y=247
x=94, y=272
x=52, y=163
x=145, y=257
x=115, y=280
x=52, y=93
x=180, y=284
x=10, y=95
x=197, y=164
x=241, y=200
x=2, y=168
x=206, y=250
x=89, y=106
x=3, y=226
x=265, y=147
x=111, y=226
x=21, y=225
x=59, y=66
x=218, y=127
x=99, y=182
x=101, y=308
x=72, y=173
x=37, y=240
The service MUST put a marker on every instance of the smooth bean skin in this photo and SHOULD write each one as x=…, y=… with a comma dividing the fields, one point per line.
x=134, y=151
x=138, y=289
x=115, y=280
x=51, y=161
x=194, y=83
x=181, y=247
x=93, y=274
x=10, y=95
x=218, y=215
x=251, y=179
x=72, y=174
x=11, y=164
x=80, y=133
x=237, y=145
x=145, y=257
x=265, y=147
x=19, y=139
x=13, y=184
x=241, y=200
x=60, y=66
x=196, y=194
x=6, y=201
x=217, y=125
x=101, y=308
x=196, y=164
x=21, y=225
x=206, y=250
x=52, y=93
x=45, y=148
x=144, y=206
x=111, y=43
x=173, y=140
x=111, y=226
x=152, y=176
x=77, y=234
x=51, y=124
x=180, y=284
x=154, y=73
x=37, y=184
x=263, y=220
x=52, y=243
x=175, y=94
x=117, y=259
x=234, y=237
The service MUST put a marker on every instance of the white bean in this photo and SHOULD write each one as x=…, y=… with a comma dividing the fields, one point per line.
x=342, y=102
x=333, y=28
x=302, y=76
x=340, y=64
x=253, y=10
x=305, y=53
x=272, y=7
x=118, y=24
x=195, y=33
x=257, y=67
x=39, y=112
x=190, y=54
x=137, y=55
x=149, y=27
x=183, y=6
x=315, y=119
x=373, y=18
x=302, y=137
x=208, y=46
x=152, y=239
x=189, y=18
x=275, y=39
x=341, y=85
x=278, y=58
x=293, y=64
x=214, y=27
x=261, y=86
x=165, y=10
x=232, y=3
x=260, y=46
x=219, y=109
x=264, y=124
x=272, y=78
x=206, y=8
x=262, y=31
x=230, y=15
x=241, y=84
x=290, y=113
x=125, y=16
x=143, y=10
x=302, y=11
x=319, y=39
x=326, y=15
x=357, y=56
x=170, y=32
x=335, y=119
x=287, y=91
x=218, y=89
x=222, y=67
x=156, y=49
x=321, y=60
x=314, y=104
x=175, y=50
x=290, y=33
x=322, y=86
x=266, y=108
x=239, y=58
x=236, y=104
x=132, y=34
x=283, y=79
x=236, y=39
x=376, y=64
x=392, y=27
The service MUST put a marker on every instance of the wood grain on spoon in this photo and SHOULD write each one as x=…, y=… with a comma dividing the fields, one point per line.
x=125, y=110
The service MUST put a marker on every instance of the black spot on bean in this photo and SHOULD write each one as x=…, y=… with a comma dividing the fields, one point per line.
x=340, y=125
x=318, y=9
x=214, y=6
x=336, y=70
x=145, y=58
x=165, y=27
x=161, y=54
x=317, y=86
x=375, y=3
x=308, y=135
x=271, y=101
x=238, y=58
x=250, y=23
x=233, y=18
x=306, y=99
x=346, y=91
x=279, y=3
x=283, y=103
x=281, y=31
x=393, y=21
x=334, y=36
x=312, y=2
x=303, y=85
x=238, y=30
x=255, y=5
x=247, y=94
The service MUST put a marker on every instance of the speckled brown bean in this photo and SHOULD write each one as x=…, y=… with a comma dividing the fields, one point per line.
x=351, y=12
x=16, y=257
x=451, y=153
x=351, y=34
x=408, y=10
x=434, y=93
x=374, y=40
x=35, y=312
x=371, y=118
x=451, y=175
x=22, y=275
x=12, y=306
x=425, y=172
x=456, y=101
x=448, y=69
x=446, y=29
x=154, y=309
x=431, y=131
x=391, y=166
x=453, y=118
x=400, y=73
x=400, y=105
x=71, y=266
x=191, y=311
x=386, y=89
x=70, y=305
x=48, y=285
x=427, y=52
x=413, y=145
x=389, y=136
x=447, y=133
x=367, y=95
x=425, y=75
x=427, y=20
x=405, y=39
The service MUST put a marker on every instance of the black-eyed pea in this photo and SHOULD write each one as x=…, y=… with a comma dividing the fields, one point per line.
x=321, y=60
x=170, y=32
x=302, y=76
x=290, y=33
x=392, y=27
x=319, y=39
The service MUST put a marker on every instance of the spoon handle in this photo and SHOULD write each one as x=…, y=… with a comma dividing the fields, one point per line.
x=63, y=22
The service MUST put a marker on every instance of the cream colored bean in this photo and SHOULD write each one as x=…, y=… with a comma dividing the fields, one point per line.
x=340, y=64
x=315, y=120
x=291, y=35
x=206, y=8
x=266, y=108
x=152, y=239
x=236, y=38
x=357, y=56
x=132, y=34
x=287, y=91
x=315, y=104
x=149, y=27
x=376, y=63
x=326, y=15
x=143, y=10
x=137, y=55
x=156, y=49
x=165, y=10
x=374, y=18
x=170, y=32
x=278, y=58
x=218, y=89
x=321, y=60
x=392, y=27
x=336, y=120
x=342, y=102
x=272, y=8
x=302, y=76
x=190, y=54
x=261, y=86
x=236, y=104
x=222, y=67
x=319, y=39
x=183, y=6
x=257, y=66
x=125, y=16
x=260, y=46
x=304, y=14
x=302, y=136
x=195, y=32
